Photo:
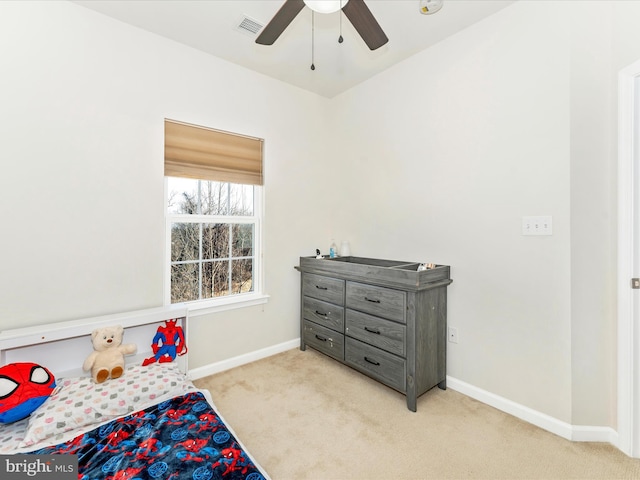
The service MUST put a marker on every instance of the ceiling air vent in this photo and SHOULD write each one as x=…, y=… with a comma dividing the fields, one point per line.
x=249, y=26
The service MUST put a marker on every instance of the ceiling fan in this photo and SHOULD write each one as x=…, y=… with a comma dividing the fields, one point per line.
x=355, y=10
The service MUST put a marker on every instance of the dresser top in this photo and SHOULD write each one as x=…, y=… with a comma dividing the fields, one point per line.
x=390, y=273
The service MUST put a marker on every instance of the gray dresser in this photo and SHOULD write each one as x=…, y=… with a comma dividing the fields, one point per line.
x=381, y=317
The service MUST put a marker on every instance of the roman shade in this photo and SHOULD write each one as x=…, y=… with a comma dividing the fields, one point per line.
x=204, y=153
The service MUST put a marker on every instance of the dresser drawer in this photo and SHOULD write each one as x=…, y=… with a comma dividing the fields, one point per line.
x=387, y=335
x=325, y=340
x=380, y=301
x=324, y=313
x=383, y=366
x=323, y=288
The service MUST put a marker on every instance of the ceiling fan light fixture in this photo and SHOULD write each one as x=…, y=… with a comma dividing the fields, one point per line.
x=325, y=6
x=429, y=7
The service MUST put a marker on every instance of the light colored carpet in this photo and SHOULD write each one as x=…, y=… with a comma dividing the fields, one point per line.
x=303, y=415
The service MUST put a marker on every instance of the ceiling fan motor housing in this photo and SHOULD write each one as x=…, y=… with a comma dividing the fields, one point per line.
x=325, y=6
x=356, y=12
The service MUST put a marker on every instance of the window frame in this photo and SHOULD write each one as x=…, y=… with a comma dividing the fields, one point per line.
x=227, y=302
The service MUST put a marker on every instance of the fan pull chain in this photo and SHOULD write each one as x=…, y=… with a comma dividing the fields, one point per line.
x=313, y=67
x=340, y=39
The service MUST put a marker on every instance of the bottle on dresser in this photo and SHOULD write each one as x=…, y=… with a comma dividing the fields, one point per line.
x=333, y=249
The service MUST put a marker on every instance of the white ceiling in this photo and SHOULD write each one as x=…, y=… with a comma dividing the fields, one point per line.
x=211, y=26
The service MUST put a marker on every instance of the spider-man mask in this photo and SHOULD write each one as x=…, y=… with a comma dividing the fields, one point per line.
x=23, y=388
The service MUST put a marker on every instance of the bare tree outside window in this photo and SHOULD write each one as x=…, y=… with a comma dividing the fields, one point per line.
x=213, y=232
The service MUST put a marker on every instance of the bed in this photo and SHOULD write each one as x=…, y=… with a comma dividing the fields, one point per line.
x=151, y=423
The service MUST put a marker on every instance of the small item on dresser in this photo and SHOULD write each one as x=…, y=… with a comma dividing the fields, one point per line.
x=23, y=388
x=167, y=343
x=333, y=249
x=426, y=266
x=318, y=255
x=107, y=359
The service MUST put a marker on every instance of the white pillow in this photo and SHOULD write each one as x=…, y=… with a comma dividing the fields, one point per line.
x=11, y=434
x=80, y=404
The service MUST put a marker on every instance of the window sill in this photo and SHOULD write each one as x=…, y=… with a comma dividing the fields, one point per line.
x=206, y=307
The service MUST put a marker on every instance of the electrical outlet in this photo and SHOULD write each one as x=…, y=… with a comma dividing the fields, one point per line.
x=453, y=334
x=537, y=225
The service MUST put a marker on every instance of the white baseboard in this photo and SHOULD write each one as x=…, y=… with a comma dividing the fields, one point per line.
x=218, y=367
x=546, y=422
x=542, y=420
x=595, y=434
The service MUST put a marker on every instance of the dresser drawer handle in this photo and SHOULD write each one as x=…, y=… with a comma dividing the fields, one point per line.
x=371, y=300
x=322, y=339
x=372, y=330
x=372, y=362
x=322, y=314
x=321, y=288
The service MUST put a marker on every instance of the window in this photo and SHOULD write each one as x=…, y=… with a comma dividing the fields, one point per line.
x=213, y=239
x=213, y=224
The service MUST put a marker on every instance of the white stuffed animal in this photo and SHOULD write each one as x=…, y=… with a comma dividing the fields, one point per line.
x=107, y=359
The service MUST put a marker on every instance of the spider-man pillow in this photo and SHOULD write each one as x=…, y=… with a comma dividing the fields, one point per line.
x=23, y=388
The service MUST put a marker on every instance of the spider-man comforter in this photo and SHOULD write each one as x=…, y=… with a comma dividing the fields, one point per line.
x=182, y=438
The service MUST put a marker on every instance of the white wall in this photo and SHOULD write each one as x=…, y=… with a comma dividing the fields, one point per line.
x=83, y=99
x=604, y=41
x=460, y=142
x=514, y=116
x=593, y=201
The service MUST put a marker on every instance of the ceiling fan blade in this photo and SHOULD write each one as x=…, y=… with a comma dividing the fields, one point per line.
x=365, y=23
x=280, y=22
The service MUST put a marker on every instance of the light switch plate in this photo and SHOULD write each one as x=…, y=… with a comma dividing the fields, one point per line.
x=541, y=225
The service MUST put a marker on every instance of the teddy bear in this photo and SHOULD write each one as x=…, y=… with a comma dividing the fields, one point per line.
x=107, y=359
